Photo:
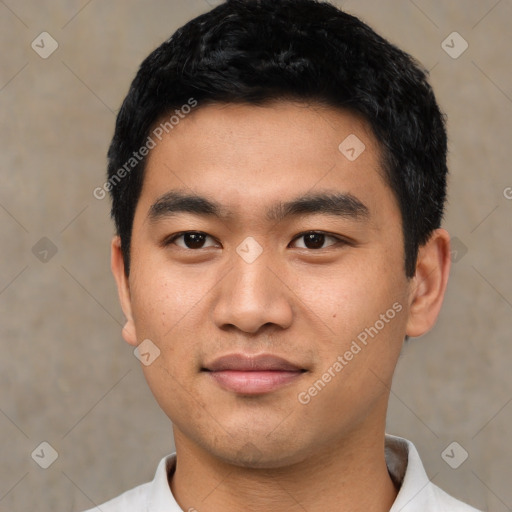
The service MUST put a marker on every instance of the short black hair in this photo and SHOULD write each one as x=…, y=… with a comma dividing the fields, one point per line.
x=257, y=51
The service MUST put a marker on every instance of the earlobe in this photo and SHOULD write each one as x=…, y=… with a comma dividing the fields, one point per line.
x=123, y=289
x=429, y=283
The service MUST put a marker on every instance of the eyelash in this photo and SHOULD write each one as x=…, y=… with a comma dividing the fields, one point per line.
x=170, y=240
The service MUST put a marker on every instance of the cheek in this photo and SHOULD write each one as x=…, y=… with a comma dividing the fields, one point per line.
x=366, y=321
x=363, y=312
x=166, y=308
x=349, y=297
x=163, y=296
x=168, y=305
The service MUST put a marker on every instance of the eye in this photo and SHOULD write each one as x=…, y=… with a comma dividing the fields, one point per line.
x=316, y=239
x=193, y=240
x=190, y=240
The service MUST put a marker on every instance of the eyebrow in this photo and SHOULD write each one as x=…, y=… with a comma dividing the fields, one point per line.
x=338, y=204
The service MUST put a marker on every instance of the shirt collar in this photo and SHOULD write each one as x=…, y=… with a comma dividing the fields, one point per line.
x=406, y=469
x=160, y=498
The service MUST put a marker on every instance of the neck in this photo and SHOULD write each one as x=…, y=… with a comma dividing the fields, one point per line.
x=351, y=476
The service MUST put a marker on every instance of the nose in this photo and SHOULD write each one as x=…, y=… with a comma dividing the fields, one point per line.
x=252, y=295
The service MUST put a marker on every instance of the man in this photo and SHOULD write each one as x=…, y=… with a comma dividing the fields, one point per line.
x=257, y=131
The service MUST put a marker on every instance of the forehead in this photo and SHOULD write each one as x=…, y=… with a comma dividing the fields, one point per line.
x=250, y=157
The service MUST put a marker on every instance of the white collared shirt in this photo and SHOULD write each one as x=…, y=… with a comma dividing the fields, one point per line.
x=417, y=493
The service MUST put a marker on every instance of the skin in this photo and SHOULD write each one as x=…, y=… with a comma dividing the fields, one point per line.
x=270, y=452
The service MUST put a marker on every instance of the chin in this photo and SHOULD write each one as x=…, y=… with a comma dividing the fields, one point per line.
x=262, y=454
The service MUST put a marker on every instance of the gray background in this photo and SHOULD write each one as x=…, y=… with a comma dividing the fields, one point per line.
x=66, y=375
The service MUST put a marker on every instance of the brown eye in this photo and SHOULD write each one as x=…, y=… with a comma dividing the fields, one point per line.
x=315, y=240
x=190, y=240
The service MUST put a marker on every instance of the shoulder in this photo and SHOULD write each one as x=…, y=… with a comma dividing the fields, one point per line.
x=148, y=496
x=134, y=499
x=416, y=490
x=449, y=503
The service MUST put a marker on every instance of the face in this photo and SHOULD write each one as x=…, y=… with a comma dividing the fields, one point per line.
x=275, y=297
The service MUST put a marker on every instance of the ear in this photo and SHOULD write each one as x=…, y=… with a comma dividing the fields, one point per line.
x=429, y=283
x=123, y=289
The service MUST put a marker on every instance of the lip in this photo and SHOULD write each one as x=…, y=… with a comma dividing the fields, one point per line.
x=251, y=363
x=252, y=374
